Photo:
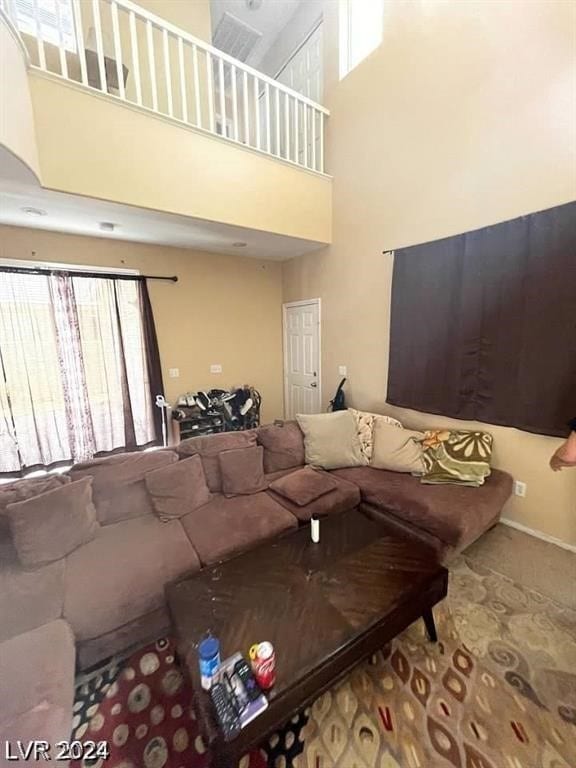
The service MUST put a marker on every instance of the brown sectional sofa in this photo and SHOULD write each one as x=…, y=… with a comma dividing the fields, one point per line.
x=108, y=594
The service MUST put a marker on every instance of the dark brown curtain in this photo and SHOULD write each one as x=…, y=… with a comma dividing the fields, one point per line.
x=483, y=325
x=153, y=365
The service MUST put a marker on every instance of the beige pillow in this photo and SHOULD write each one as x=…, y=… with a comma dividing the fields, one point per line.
x=399, y=450
x=365, y=425
x=50, y=526
x=331, y=440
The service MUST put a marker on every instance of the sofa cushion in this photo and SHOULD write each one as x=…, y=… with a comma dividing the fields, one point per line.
x=28, y=598
x=209, y=446
x=178, y=488
x=242, y=471
x=343, y=497
x=399, y=450
x=331, y=439
x=37, y=685
x=283, y=446
x=453, y=514
x=48, y=527
x=304, y=485
x=118, y=490
x=20, y=490
x=120, y=575
x=227, y=526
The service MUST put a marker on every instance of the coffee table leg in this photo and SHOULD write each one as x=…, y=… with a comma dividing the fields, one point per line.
x=428, y=617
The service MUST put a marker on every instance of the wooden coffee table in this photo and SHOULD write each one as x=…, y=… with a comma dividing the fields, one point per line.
x=324, y=607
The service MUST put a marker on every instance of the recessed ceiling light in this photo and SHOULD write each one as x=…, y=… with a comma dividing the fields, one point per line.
x=239, y=244
x=34, y=211
x=107, y=226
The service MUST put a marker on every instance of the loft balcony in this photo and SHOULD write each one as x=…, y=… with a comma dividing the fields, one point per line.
x=110, y=101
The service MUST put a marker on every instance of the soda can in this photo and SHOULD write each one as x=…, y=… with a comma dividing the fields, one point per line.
x=263, y=662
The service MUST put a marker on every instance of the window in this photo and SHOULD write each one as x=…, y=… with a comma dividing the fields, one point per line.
x=360, y=31
x=75, y=369
x=55, y=19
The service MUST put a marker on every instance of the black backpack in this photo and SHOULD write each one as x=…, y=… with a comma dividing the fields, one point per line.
x=338, y=403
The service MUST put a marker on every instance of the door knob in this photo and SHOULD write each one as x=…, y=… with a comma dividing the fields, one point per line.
x=313, y=384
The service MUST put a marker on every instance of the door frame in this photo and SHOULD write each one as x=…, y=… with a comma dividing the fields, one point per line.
x=303, y=303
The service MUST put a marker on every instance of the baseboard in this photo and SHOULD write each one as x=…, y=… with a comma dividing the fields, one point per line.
x=538, y=534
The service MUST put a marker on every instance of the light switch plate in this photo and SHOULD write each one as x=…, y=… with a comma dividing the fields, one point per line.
x=173, y=373
x=342, y=370
x=215, y=368
x=520, y=488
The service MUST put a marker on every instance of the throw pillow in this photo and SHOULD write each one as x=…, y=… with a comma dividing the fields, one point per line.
x=178, y=488
x=460, y=457
x=304, y=486
x=242, y=471
x=20, y=490
x=283, y=446
x=398, y=450
x=50, y=526
x=365, y=425
x=331, y=440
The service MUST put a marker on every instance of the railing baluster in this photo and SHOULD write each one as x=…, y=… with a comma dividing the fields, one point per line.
x=257, y=113
x=167, y=72
x=80, y=41
x=198, y=114
x=61, y=46
x=286, y=126
x=267, y=111
x=118, y=49
x=305, y=133
x=245, y=102
x=99, y=45
x=321, y=168
x=277, y=112
x=210, y=76
x=222, y=95
x=313, y=111
x=296, y=133
x=234, y=103
x=39, y=37
x=152, y=64
x=182, y=80
x=135, y=57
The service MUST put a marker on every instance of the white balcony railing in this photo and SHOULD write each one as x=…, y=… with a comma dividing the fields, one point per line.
x=124, y=51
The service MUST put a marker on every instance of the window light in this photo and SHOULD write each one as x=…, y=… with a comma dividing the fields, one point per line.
x=52, y=20
x=360, y=31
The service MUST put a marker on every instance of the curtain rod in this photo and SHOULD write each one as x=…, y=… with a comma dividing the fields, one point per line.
x=84, y=273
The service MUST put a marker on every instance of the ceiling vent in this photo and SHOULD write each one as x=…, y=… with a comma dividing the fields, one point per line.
x=235, y=37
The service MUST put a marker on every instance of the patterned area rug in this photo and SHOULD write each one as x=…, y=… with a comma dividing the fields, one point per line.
x=497, y=691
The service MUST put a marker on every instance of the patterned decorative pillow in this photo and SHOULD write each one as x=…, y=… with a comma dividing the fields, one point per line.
x=455, y=456
x=365, y=425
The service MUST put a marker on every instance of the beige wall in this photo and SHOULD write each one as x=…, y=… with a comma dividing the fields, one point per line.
x=465, y=116
x=223, y=309
x=95, y=147
x=17, y=133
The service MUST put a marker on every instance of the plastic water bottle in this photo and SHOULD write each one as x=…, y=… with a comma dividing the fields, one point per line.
x=209, y=660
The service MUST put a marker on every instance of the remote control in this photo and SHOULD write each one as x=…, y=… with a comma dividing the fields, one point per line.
x=227, y=715
x=245, y=674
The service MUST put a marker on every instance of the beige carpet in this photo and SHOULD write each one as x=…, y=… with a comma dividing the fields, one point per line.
x=498, y=690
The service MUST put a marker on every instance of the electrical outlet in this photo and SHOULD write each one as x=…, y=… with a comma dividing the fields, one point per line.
x=173, y=373
x=215, y=368
x=519, y=488
x=342, y=370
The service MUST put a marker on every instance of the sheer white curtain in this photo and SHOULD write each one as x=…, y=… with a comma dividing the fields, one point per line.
x=74, y=378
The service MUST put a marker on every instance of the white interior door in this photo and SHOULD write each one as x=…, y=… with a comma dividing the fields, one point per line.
x=302, y=358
